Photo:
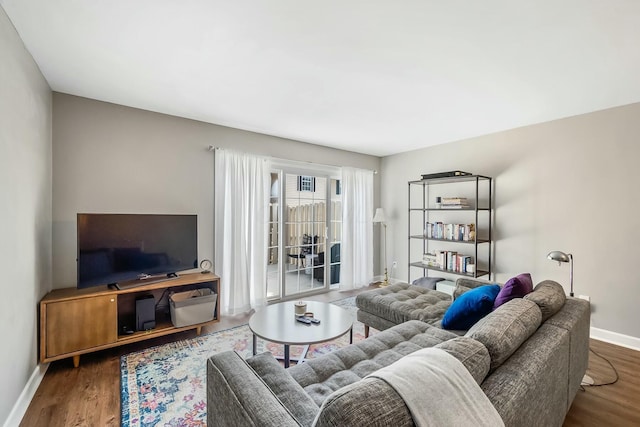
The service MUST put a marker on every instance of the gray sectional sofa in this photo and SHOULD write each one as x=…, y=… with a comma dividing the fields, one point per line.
x=528, y=357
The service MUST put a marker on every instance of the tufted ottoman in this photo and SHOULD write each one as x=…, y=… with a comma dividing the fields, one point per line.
x=389, y=306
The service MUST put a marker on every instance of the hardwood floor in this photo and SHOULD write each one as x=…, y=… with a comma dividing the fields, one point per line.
x=90, y=394
x=611, y=405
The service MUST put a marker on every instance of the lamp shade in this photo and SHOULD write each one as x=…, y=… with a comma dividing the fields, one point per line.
x=559, y=256
x=379, y=216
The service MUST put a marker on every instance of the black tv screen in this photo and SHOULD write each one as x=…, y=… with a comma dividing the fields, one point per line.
x=118, y=248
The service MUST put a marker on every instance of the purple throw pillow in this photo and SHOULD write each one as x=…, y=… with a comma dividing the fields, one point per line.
x=516, y=287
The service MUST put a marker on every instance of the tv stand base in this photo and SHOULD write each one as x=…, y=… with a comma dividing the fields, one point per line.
x=102, y=312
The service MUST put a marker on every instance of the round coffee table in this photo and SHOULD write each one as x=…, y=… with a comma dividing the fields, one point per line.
x=277, y=323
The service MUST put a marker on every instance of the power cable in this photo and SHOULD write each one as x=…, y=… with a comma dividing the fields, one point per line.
x=615, y=371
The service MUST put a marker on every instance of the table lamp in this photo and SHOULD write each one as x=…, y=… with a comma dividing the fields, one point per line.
x=562, y=257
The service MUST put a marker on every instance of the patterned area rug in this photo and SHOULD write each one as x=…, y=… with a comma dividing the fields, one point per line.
x=166, y=385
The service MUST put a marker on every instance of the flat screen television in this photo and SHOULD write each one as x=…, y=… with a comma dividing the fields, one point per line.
x=127, y=249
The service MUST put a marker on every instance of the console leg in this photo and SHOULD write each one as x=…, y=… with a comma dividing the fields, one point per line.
x=198, y=330
x=366, y=331
x=76, y=361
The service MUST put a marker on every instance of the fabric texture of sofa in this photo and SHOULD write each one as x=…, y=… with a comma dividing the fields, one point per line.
x=528, y=357
x=398, y=303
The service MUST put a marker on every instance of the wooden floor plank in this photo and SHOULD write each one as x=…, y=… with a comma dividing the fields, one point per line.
x=90, y=394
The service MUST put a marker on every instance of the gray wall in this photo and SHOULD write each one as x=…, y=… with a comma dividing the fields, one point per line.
x=569, y=185
x=25, y=210
x=111, y=158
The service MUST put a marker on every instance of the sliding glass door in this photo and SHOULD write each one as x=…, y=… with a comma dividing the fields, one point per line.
x=305, y=230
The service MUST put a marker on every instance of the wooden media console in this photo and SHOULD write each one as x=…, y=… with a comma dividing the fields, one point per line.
x=79, y=321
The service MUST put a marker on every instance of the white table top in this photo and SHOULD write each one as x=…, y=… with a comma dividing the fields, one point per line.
x=277, y=323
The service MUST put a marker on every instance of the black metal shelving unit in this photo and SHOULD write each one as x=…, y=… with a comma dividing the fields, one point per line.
x=480, y=196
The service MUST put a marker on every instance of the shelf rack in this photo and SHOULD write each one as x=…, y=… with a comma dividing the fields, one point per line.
x=480, y=208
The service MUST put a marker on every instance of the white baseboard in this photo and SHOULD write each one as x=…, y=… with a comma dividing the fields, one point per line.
x=21, y=405
x=615, y=338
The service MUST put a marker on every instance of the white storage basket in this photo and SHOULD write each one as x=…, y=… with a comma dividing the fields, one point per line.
x=191, y=307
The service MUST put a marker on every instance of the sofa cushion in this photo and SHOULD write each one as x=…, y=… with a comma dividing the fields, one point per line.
x=470, y=307
x=402, y=302
x=506, y=328
x=465, y=284
x=530, y=388
x=370, y=402
x=321, y=377
x=427, y=282
x=516, y=287
x=459, y=290
x=473, y=355
x=549, y=296
x=292, y=396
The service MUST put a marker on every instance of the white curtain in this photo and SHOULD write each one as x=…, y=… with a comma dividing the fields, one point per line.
x=242, y=186
x=356, y=258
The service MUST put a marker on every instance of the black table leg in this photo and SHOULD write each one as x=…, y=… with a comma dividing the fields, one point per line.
x=351, y=336
x=255, y=344
x=286, y=356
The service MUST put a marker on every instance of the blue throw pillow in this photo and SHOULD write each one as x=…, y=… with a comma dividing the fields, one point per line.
x=470, y=307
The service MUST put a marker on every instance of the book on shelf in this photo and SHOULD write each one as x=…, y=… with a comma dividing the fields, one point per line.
x=454, y=232
x=453, y=200
x=454, y=203
x=448, y=231
x=450, y=260
x=454, y=206
x=462, y=263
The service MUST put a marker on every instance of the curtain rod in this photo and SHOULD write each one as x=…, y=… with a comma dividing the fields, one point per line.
x=214, y=148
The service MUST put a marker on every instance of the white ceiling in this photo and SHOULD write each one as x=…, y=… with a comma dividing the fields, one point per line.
x=371, y=76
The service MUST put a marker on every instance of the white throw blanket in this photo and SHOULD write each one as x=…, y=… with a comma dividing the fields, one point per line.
x=439, y=391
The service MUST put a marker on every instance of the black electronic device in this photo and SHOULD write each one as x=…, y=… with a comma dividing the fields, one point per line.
x=131, y=249
x=304, y=320
x=444, y=174
x=145, y=313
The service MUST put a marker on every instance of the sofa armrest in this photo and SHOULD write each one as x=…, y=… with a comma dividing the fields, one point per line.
x=237, y=396
x=286, y=389
x=464, y=284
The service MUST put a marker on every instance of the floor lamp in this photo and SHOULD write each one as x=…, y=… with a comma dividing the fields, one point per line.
x=562, y=257
x=382, y=219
